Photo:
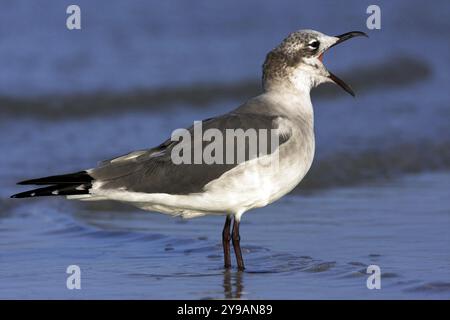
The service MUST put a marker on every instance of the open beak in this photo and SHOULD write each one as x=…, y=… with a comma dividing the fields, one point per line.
x=342, y=38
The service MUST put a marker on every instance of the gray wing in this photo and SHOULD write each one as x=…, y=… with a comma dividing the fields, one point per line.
x=153, y=171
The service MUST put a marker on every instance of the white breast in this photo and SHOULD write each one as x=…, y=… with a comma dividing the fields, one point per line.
x=259, y=182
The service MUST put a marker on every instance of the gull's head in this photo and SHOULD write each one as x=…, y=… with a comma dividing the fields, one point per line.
x=297, y=61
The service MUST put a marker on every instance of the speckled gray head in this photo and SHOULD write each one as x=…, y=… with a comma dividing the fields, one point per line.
x=297, y=61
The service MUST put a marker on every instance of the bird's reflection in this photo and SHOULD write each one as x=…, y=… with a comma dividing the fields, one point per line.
x=233, y=284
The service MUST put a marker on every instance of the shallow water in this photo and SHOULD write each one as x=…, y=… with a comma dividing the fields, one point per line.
x=316, y=246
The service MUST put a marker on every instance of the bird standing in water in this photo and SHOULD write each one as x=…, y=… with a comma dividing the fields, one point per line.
x=150, y=180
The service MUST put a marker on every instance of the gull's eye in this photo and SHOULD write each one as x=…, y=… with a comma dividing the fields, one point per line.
x=313, y=44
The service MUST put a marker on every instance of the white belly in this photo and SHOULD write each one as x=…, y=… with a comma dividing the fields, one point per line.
x=259, y=182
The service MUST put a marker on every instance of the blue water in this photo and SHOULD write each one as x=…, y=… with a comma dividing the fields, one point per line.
x=377, y=192
x=317, y=247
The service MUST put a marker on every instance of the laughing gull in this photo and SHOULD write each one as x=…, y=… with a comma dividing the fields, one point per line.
x=150, y=180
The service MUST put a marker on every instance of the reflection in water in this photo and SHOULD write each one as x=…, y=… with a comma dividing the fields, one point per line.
x=233, y=286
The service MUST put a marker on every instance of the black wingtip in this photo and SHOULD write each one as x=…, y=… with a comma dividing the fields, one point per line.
x=24, y=182
x=27, y=182
x=26, y=194
x=20, y=196
x=71, y=178
x=56, y=190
